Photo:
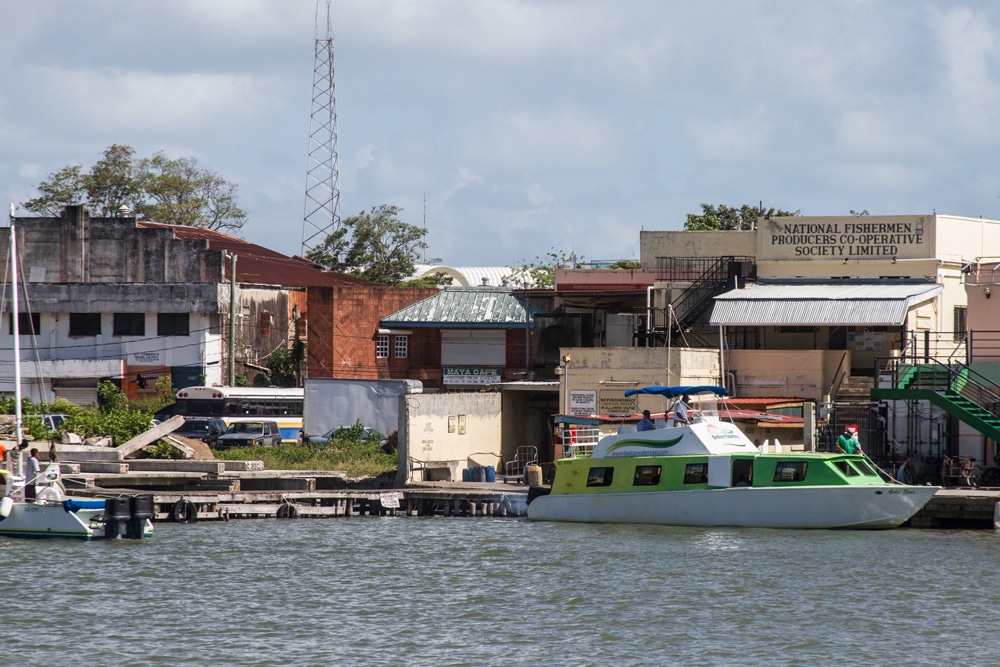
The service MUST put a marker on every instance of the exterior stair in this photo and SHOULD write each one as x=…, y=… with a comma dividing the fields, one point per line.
x=950, y=387
x=855, y=389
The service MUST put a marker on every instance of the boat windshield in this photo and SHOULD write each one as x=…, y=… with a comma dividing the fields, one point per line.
x=705, y=408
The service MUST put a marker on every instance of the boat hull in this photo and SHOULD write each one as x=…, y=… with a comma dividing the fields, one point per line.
x=51, y=520
x=799, y=507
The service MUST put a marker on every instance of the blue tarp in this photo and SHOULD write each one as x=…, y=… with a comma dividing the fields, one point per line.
x=74, y=505
x=676, y=392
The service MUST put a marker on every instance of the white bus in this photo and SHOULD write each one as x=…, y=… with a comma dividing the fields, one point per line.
x=283, y=405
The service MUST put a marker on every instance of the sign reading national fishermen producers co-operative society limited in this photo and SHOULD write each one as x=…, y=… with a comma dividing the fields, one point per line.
x=861, y=238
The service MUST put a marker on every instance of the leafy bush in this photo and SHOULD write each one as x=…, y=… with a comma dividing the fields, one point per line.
x=351, y=450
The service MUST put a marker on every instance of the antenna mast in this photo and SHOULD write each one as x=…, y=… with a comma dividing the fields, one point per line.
x=322, y=208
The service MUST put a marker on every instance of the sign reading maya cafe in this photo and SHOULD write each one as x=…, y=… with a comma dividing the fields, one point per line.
x=861, y=238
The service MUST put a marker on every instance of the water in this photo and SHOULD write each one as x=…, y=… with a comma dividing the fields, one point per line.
x=433, y=591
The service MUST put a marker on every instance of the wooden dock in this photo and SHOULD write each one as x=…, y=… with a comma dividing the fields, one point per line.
x=408, y=502
x=960, y=508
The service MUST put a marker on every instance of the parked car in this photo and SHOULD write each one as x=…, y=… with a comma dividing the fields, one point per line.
x=249, y=433
x=206, y=429
x=370, y=434
x=52, y=422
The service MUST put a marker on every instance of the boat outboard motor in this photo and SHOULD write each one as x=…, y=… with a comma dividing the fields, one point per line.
x=116, y=517
x=142, y=509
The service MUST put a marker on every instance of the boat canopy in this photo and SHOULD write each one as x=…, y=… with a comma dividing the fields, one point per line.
x=677, y=392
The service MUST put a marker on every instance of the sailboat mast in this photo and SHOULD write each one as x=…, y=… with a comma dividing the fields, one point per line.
x=14, y=313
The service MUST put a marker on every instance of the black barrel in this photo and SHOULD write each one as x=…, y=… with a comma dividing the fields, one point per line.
x=117, y=512
x=142, y=509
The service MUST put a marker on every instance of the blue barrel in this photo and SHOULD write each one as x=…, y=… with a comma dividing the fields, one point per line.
x=491, y=474
x=478, y=474
x=466, y=474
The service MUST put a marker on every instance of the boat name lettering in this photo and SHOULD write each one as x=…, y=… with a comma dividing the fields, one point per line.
x=905, y=492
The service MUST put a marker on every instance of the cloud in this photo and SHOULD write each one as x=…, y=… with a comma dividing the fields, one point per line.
x=737, y=137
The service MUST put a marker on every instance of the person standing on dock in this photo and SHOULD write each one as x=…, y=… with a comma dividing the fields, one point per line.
x=848, y=443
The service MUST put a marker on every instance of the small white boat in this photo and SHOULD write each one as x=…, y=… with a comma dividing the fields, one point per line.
x=54, y=513
x=708, y=473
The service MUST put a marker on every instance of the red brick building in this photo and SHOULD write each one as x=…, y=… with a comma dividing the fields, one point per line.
x=344, y=331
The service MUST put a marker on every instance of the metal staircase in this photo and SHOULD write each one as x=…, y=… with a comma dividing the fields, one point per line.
x=953, y=387
x=708, y=277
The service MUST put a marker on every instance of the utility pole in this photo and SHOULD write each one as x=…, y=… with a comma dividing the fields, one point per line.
x=322, y=207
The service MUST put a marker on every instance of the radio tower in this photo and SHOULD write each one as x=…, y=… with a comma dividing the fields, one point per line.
x=322, y=209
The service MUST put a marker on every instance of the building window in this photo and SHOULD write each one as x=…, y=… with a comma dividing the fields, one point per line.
x=129, y=324
x=84, y=324
x=173, y=324
x=402, y=347
x=28, y=324
x=960, y=322
x=265, y=325
x=382, y=347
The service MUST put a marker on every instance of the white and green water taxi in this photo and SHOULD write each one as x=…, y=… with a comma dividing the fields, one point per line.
x=708, y=473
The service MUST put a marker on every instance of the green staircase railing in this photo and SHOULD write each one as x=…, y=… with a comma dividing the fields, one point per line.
x=955, y=388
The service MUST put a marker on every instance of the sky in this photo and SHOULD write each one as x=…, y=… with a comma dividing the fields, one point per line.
x=515, y=128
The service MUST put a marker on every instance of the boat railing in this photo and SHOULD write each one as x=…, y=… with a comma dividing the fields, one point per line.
x=578, y=440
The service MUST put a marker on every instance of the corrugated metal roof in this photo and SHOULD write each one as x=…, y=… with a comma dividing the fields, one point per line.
x=465, y=306
x=821, y=304
x=469, y=276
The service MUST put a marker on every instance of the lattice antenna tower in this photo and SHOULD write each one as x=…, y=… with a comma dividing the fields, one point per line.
x=322, y=209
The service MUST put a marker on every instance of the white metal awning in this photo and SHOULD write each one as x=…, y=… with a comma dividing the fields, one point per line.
x=821, y=304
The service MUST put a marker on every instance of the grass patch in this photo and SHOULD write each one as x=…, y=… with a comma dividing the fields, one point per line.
x=357, y=459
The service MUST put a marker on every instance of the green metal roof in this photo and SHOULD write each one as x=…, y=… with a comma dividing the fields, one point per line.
x=466, y=307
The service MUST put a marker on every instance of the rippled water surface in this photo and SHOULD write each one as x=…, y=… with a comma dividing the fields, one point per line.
x=434, y=591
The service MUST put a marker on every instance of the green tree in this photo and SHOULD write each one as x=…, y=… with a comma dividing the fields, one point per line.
x=725, y=218
x=283, y=365
x=376, y=246
x=175, y=192
x=626, y=264
x=541, y=271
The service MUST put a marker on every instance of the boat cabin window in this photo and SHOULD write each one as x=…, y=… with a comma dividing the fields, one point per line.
x=846, y=468
x=790, y=471
x=696, y=473
x=646, y=476
x=600, y=476
x=865, y=468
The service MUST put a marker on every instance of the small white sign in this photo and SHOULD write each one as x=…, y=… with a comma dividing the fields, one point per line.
x=144, y=358
x=583, y=403
x=389, y=499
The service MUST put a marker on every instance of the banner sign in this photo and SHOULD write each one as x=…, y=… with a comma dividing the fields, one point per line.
x=468, y=375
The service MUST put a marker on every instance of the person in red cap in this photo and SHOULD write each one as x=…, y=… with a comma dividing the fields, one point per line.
x=848, y=443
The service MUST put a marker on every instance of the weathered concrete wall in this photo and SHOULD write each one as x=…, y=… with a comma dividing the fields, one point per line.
x=805, y=374
x=653, y=244
x=445, y=433
x=608, y=372
x=76, y=248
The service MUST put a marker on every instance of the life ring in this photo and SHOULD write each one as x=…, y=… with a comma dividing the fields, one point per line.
x=287, y=511
x=184, y=511
x=50, y=494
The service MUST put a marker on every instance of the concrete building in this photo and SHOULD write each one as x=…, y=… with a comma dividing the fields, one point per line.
x=129, y=301
x=805, y=308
